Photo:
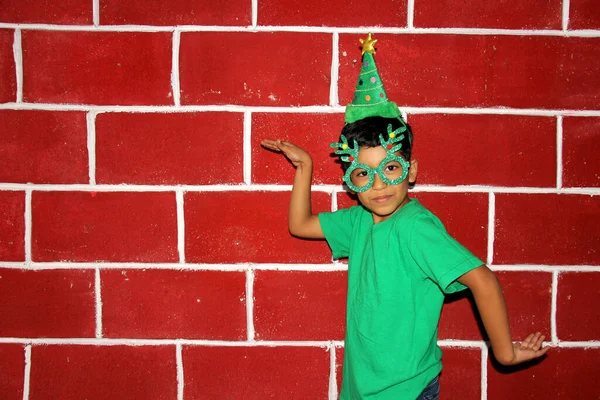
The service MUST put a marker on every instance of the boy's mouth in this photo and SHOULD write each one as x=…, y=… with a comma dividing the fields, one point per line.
x=382, y=199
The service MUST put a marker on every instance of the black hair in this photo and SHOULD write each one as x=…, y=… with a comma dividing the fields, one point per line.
x=366, y=132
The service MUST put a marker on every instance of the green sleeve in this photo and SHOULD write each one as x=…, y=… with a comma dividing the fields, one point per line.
x=439, y=255
x=337, y=227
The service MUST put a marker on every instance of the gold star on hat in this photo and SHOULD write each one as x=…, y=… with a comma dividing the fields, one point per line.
x=368, y=45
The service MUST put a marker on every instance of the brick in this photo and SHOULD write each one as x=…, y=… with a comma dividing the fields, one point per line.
x=256, y=372
x=67, y=12
x=247, y=227
x=47, y=303
x=507, y=14
x=528, y=300
x=462, y=369
x=547, y=229
x=584, y=14
x=174, y=304
x=581, y=136
x=104, y=226
x=333, y=13
x=501, y=150
x=8, y=74
x=101, y=372
x=167, y=149
x=12, y=367
x=12, y=226
x=566, y=373
x=465, y=216
x=528, y=297
x=43, y=147
x=291, y=305
x=180, y=12
x=104, y=68
x=312, y=132
x=460, y=319
x=255, y=69
x=437, y=70
x=577, y=316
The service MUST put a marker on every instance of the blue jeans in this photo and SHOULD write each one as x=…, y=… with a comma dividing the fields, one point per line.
x=432, y=391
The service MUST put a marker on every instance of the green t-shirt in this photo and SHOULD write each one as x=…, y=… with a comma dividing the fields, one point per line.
x=398, y=272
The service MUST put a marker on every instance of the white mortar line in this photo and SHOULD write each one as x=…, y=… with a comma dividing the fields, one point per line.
x=175, y=86
x=480, y=344
x=247, y=147
x=222, y=343
x=586, y=345
x=333, y=389
x=28, y=217
x=243, y=267
x=96, y=12
x=18, y=57
x=250, y=305
x=180, y=225
x=547, y=268
x=286, y=188
x=484, y=364
x=307, y=29
x=335, y=66
x=180, y=376
x=254, y=14
x=410, y=14
x=565, y=15
x=27, y=373
x=296, y=110
x=98, y=304
x=491, y=228
x=162, y=342
x=559, y=152
x=334, y=203
x=553, y=330
x=91, y=145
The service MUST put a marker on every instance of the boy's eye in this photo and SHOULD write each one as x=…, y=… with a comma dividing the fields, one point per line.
x=391, y=167
x=361, y=174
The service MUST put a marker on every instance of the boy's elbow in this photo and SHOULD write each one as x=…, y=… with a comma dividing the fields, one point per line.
x=296, y=229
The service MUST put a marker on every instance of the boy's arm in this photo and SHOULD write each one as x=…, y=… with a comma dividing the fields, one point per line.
x=301, y=221
x=492, y=308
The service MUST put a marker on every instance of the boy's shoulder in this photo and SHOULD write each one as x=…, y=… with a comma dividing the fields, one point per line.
x=415, y=215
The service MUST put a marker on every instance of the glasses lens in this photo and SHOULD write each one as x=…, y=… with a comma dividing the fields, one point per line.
x=359, y=178
x=393, y=170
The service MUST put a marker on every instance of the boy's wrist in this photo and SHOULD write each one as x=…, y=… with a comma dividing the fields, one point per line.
x=305, y=163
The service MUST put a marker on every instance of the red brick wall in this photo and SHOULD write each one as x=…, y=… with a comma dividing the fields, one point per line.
x=144, y=251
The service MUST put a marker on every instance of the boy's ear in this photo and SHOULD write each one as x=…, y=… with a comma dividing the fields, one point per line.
x=412, y=172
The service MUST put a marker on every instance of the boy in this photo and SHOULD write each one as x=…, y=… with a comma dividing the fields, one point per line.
x=401, y=261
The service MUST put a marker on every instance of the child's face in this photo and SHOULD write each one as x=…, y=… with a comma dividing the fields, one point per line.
x=381, y=199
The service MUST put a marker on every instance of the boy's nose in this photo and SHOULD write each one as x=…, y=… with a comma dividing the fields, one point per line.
x=378, y=184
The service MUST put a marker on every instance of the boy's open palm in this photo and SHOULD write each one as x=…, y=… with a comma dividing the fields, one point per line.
x=529, y=349
x=295, y=154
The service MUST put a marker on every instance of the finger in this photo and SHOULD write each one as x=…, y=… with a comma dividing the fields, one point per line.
x=271, y=144
x=535, y=340
x=539, y=342
x=286, y=143
x=527, y=341
x=541, y=352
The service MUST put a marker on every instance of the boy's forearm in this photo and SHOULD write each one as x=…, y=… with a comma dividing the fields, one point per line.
x=300, y=210
x=492, y=309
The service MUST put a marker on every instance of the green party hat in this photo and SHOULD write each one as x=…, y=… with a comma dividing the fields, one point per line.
x=370, y=98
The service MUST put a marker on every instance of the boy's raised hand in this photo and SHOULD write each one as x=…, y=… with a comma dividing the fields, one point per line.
x=528, y=349
x=295, y=154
